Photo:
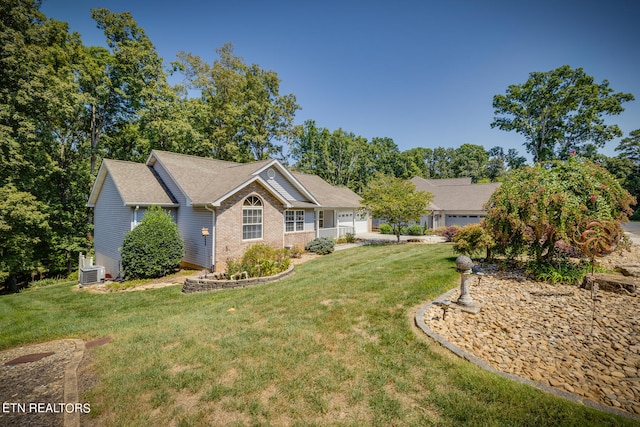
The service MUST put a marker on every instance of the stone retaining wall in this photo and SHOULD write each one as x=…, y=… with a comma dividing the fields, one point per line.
x=202, y=285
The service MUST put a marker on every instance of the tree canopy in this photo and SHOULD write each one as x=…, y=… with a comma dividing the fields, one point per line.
x=244, y=117
x=559, y=111
x=395, y=201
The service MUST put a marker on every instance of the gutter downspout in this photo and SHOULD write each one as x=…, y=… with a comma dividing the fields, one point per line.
x=213, y=236
x=135, y=217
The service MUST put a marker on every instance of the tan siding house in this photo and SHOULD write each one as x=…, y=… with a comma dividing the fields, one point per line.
x=238, y=204
x=457, y=201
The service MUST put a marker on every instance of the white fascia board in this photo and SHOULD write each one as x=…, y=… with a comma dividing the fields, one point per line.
x=289, y=176
x=259, y=180
x=147, y=204
x=97, y=185
x=153, y=158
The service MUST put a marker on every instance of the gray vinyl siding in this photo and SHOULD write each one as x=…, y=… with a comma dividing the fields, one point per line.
x=283, y=186
x=190, y=222
x=309, y=220
x=115, y=221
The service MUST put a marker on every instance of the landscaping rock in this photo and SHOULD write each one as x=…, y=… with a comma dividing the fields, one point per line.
x=552, y=334
x=611, y=283
x=631, y=270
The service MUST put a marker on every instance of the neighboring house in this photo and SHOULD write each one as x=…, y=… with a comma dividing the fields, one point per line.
x=456, y=201
x=221, y=208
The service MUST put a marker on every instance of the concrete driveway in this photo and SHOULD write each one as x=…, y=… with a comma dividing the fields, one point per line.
x=632, y=230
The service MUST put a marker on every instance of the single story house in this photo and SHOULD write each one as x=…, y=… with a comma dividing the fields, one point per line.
x=456, y=201
x=220, y=207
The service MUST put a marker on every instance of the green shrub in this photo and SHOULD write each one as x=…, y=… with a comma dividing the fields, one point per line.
x=154, y=248
x=385, y=229
x=296, y=252
x=562, y=271
x=415, y=230
x=347, y=238
x=320, y=246
x=260, y=260
x=472, y=239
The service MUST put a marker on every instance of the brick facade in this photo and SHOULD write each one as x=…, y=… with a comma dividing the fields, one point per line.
x=229, y=243
x=299, y=238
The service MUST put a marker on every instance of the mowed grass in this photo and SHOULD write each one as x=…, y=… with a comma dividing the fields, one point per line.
x=331, y=345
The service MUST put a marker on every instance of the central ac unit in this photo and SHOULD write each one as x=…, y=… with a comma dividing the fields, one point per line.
x=90, y=275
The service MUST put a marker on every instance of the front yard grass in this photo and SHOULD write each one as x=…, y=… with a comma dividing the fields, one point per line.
x=331, y=345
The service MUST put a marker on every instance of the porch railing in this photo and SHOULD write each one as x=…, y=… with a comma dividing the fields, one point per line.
x=335, y=232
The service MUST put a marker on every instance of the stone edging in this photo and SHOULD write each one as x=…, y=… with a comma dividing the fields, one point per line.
x=204, y=285
x=419, y=321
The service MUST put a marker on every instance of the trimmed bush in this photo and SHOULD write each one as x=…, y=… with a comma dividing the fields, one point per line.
x=472, y=239
x=385, y=229
x=320, y=246
x=154, y=248
x=415, y=230
x=260, y=260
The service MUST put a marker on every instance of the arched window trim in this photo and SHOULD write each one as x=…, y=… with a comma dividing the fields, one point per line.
x=252, y=218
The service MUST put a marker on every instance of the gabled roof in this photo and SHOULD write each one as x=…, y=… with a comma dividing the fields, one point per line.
x=327, y=194
x=136, y=183
x=456, y=194
x=204, y=180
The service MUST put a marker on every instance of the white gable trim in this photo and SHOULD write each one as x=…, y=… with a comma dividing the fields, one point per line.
x=103, y=172
x=153, y=158
x=259, y=180
x=284, y=171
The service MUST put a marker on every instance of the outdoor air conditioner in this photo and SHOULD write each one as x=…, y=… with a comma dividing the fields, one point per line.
x=90, y=275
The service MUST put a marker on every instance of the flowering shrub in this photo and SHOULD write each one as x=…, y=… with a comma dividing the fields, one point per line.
x=537, y=207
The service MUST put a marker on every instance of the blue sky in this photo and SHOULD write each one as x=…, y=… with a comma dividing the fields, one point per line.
x=420, y=72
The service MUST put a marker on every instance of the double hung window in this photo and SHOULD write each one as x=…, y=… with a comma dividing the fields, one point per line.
x=252, y=218
x=293, y=221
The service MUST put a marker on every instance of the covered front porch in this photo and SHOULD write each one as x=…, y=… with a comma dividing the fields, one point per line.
x=336, y=223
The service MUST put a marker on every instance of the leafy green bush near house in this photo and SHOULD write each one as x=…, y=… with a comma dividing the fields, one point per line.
x=154, y=248
x=260, y=260
x=415, y=230
x=385, y=229
x=320, y=246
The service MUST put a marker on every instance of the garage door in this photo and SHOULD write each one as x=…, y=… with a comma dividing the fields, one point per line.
x=462, y=220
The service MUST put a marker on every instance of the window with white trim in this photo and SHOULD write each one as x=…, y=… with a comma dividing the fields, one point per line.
x=293, y=221
x=252, y=218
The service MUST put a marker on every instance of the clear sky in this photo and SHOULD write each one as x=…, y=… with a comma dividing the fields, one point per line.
x=420, y=72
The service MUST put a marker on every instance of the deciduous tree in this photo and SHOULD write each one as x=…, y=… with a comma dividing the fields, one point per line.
x=396, y=201
x=559, y=111
x=246, y=116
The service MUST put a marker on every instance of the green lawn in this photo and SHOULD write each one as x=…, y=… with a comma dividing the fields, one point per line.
x=331, y=345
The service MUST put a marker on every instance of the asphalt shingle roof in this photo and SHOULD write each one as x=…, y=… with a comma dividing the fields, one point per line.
x=456, y=194
x=138, y=184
